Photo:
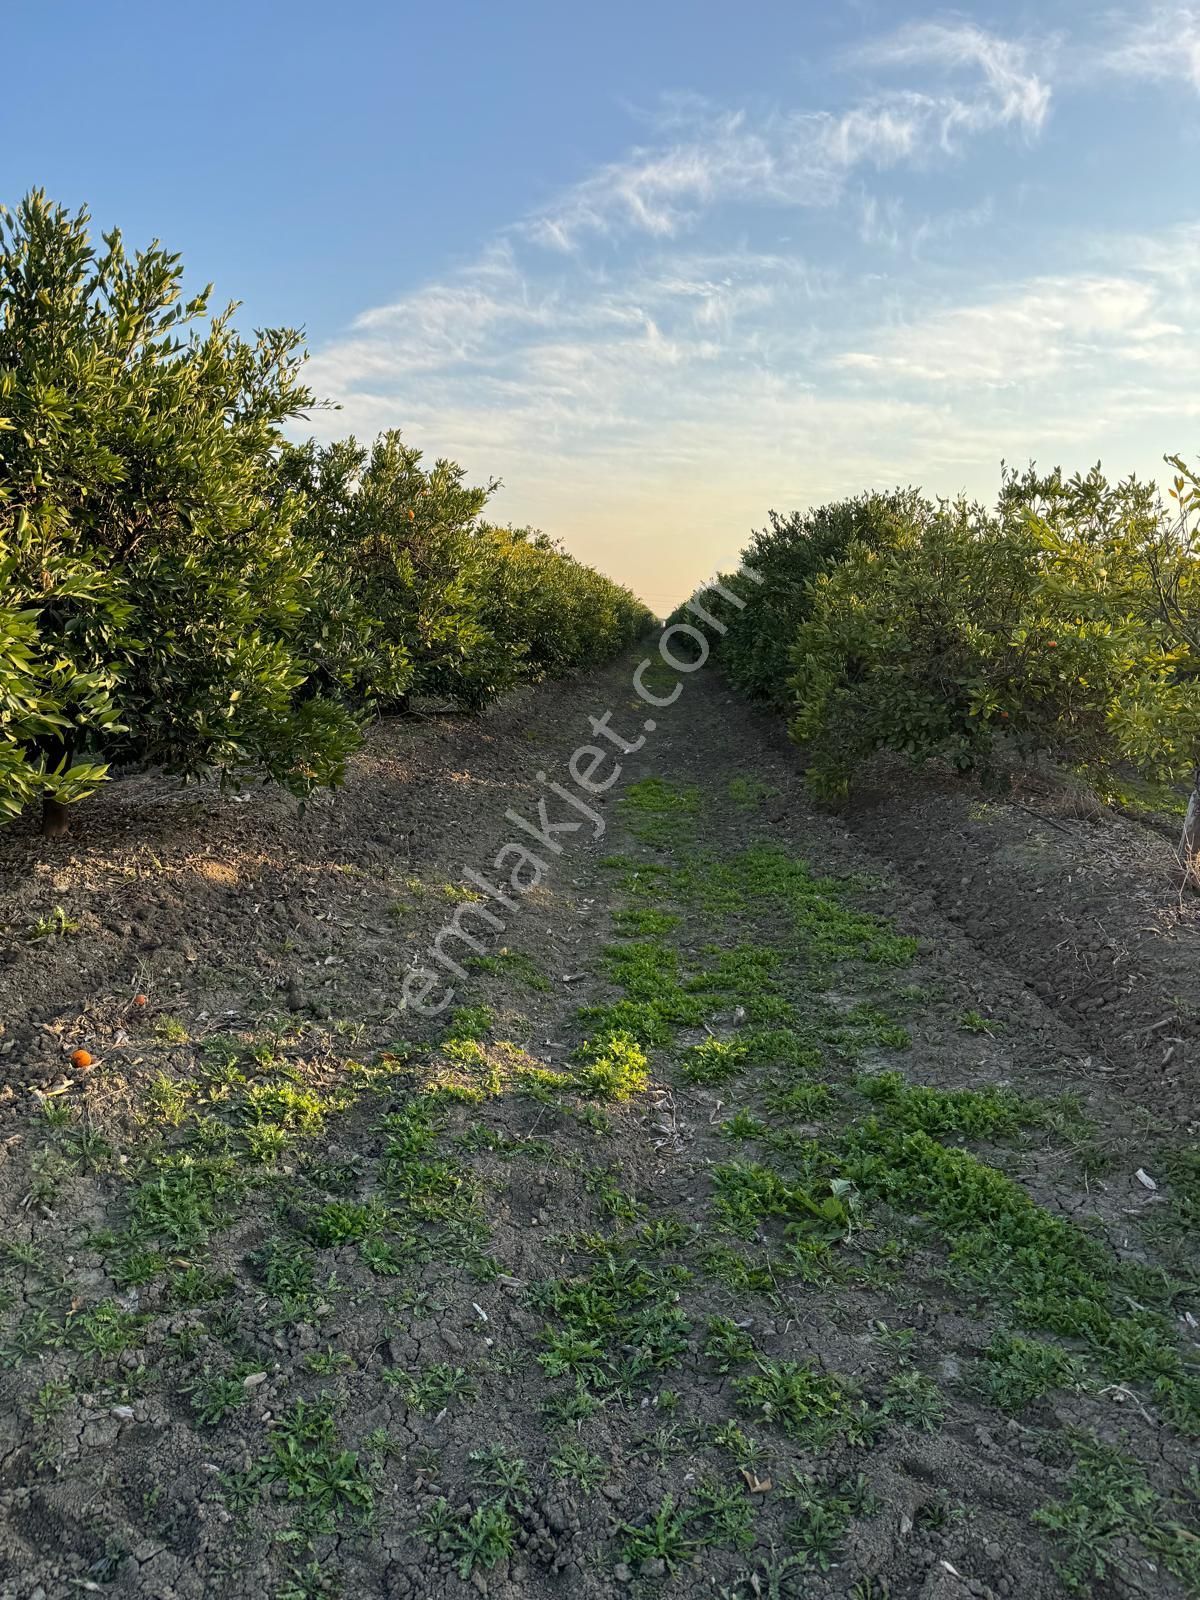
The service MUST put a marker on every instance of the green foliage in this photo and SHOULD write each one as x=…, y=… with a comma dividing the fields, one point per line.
x=478, y=1538
x=1110, y=1511
x=788, y=556
x=182, y=586
x=419, y=596
x=615, y=1068
x=1065, y=620
x=613, y=1327
x=1016, y=1371
x=813, y=1407
x=1032, y=622
x=823, y=1514
x=151, y=580
x=712, y=1061
x=979, y=1113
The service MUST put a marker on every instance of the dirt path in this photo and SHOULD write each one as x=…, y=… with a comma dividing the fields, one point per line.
x=744, y=1228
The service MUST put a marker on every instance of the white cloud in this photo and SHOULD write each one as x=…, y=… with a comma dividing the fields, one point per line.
x=803, y=158
x=1162, y=46
x=1031, y=334
x=672, y=365
x=1014, y=92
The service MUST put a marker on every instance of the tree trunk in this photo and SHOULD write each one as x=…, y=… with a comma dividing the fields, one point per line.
x=54, y=818
x=1189, y=842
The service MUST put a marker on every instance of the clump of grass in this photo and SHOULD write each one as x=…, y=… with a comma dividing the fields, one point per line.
x=978, y=1113
x=749, y=792
x=810, y=1406
x=747, y=1192
x=306, y=1461
x=614, y=1326
x=823, y=1512
x=868, y=1025
x=1052, y=1275
x=53, y=925
x=514, y=964
x=1016, y=1371
x=183, y=1197
x=660, y=813
x=470, y=1024
x=911, y=1400
x=170, y=1030
x=973, y=1021
x=827, y=928
x=434, y=1387
x=347, y=1222
x=644, y=920
x=712, y=1061
x=479, y=1538
x=1111, y=1512
x=215, y=1396
x=615, y=1067
x=784, y=1048
x=726, y=1344
x=575, y=1462
x=804, y=1100
x=662, y=1537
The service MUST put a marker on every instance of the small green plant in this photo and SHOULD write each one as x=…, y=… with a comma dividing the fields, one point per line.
x=911, y=1400
x=505, y=1477
x=979, y=1113
x=515, y=964
x=347, y=1222
x=1016, y=1371
x=478, y=1539
x=469, y=1024
x=170, y=1030
x=53, y=925
x=50, y=1402
x=813, y=1407
x=214, y=1397
x=328, y=1361
x=433, y=1388
x=823, y=1512
x=307, y=1462
x=1110, y=1511
x=662, y=1537
x=726, y=1344
x=580, y=1465
x=976, y=1022
x=712, y=1061
x=613, y=1068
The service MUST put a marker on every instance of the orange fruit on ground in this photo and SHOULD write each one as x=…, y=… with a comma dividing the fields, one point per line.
x=81, y=1058
x=140, y=1001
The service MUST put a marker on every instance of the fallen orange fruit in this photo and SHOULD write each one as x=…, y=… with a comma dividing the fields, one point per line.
x=81, y=1058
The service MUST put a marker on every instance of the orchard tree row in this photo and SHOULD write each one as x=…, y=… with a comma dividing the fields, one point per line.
x=1064, y=621
x=181, y=585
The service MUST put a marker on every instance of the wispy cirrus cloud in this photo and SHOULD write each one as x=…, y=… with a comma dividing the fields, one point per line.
x=804, y=158
x=1012, y=91
x=1034, y=332
x=1160, y=45
x=778, y=307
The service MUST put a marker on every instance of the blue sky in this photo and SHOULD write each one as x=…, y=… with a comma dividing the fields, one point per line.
x=662, y=266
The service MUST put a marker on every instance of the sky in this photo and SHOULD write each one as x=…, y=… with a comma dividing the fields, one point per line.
x=660, y=267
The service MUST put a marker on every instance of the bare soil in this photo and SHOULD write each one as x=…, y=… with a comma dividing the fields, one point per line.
x=295, y=1284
